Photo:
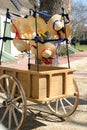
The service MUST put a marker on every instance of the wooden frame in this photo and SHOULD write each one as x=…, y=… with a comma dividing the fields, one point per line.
x=46, y=84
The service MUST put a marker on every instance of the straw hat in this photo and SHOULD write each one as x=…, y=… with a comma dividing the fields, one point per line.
x=45, y=50
x=41, y=24
x=21, y=45
x=55, y=24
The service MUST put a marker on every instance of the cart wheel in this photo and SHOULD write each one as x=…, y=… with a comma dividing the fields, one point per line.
x=64, y=107
x=12, y=103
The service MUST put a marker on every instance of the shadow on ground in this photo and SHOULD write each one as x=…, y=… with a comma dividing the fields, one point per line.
x=82, y=101
x=38, y=118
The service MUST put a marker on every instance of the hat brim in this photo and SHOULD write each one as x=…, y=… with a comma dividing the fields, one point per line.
x=21, y=45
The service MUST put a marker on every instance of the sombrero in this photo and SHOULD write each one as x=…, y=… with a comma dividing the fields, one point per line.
x=21, y=45
x=41, y=24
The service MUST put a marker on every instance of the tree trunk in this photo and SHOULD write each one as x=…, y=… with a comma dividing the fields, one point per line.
x=52, y=6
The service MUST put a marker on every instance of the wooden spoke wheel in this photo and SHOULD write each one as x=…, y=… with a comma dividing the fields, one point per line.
x=12, y=103
x=65, y=106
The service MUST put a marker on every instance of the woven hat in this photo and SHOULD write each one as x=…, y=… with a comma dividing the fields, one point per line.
x=41, y=24
x=45, y=50
x=21, y=45
x=20, y=25
x=55, y=24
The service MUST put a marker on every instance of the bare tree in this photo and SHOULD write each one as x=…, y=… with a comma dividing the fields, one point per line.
x=52, y=6
x=79, y=18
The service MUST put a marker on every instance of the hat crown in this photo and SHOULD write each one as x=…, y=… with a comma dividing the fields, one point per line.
x=57, y=25
x=47, y=53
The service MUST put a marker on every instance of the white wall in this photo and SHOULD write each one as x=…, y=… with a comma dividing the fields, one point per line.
x=14, y=51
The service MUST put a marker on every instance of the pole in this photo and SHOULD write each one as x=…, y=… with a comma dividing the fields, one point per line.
x=63, y=15
x=3, y=36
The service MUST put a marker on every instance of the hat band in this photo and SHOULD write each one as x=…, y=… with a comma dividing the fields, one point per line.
x=55, y=23
x=17, y=33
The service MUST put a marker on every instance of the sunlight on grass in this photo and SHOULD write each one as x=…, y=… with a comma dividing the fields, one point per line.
x=78, y=47
x=81, y=47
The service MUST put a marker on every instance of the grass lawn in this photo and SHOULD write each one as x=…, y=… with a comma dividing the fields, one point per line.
x=78, y=47
x=81, y=47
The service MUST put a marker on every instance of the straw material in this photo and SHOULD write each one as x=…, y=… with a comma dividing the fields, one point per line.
x=41, y=25
x=55, y=23
x=26, y=27
x=55, y=26
x=21, y=45
x=45, y=50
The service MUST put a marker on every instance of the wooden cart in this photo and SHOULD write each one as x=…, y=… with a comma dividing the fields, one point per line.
x=54, y=86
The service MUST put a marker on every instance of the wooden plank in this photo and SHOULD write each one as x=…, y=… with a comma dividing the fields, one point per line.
x=39, y=86
x=48, y=82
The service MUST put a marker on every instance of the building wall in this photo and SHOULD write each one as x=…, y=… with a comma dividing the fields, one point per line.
x=8, y=45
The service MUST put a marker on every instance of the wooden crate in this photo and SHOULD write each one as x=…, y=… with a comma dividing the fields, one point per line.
x=48, y=82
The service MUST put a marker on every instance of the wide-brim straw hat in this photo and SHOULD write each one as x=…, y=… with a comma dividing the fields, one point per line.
x=38, y=24
x=55, y=24
x=21, y=45
x=20, y=25
x=45, y=50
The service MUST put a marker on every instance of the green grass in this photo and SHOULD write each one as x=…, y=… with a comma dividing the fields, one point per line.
x=78, y=47
x=81, y=47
